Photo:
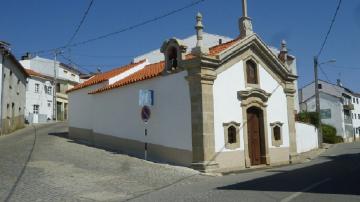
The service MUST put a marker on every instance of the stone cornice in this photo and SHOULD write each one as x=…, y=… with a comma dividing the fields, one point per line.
x=254, y=93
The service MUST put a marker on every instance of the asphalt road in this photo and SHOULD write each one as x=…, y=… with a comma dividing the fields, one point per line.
x=51, y=167
x=334, y=176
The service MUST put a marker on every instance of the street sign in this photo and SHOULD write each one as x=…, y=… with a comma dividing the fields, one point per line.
x=145, y=113
x=146, y=97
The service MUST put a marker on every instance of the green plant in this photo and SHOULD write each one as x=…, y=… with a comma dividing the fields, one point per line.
x=329, y=134
x=308, y=117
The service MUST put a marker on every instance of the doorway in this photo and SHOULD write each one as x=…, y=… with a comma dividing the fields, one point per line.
x=256, y=136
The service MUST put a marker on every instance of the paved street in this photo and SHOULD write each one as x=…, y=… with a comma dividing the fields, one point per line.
x=59, y=169
x=334, y=176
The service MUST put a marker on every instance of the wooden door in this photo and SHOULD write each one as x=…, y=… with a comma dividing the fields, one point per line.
x=254, y=139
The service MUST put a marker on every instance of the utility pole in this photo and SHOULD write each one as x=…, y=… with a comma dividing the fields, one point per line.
x=56, y=52
x=317, y=100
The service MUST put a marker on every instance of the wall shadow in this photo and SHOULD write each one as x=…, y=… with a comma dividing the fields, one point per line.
x=342, y=173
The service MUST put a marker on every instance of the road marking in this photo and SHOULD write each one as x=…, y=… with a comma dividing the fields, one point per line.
x=296, y=194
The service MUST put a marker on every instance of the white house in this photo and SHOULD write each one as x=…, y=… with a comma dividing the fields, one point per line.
x=339, y=107
x=66, y=78
x=223, y=107
x=356, y=115
x=39, y=98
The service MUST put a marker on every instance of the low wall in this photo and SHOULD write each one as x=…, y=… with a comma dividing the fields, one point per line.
x=306, y=137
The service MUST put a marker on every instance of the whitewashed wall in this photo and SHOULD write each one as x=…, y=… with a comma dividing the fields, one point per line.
x=40, y=98
x=227, y=106
x=117, y=112
x=81, y=107
x=306, y=137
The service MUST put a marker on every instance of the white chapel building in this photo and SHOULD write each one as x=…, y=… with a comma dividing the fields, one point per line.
x=218, y=104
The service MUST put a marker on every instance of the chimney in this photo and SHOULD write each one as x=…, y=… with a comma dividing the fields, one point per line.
x=27, y=56
x=220, y=41
x=338, y=82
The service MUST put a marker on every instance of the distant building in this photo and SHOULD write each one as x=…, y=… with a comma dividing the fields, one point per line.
x=66, y=78
x=39, y=98
x=339, y=107
x=12, y=85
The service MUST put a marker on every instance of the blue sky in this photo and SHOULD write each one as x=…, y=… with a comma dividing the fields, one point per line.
x=31, y=25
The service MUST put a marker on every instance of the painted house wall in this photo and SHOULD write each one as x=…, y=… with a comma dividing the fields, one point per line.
x=41, y=98
x=13, y=92
x=170, y=122
x=46, y=67
x=227, y=108
x=306, y=137
x=356, y=118
x=82, y=106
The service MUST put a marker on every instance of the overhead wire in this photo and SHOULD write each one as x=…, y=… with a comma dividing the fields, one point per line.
x=131, y=27
x=330, y=28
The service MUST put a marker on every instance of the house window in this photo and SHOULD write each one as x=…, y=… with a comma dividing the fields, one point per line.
x=73, y=75
x=319, y=86
x=358, y=116
x=48, y=90
x=276, y=129
x=37, y=86
x=231, y=135
x=354, y=100
x=36, y=109
x=65, y=71
x=49, y=103
x=357, y=100
x=251, y=72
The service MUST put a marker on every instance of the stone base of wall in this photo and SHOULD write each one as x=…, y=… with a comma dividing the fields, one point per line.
x=133, y=147
x=279, y=156
x=10, y=125
x=230, y=160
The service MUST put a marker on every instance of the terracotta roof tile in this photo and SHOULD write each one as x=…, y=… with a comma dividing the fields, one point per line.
x=149, y=71
x=34, y=73
x=221, y=47
x=104, y=76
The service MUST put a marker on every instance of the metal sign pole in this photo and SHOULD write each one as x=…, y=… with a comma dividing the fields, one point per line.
x=145, y=133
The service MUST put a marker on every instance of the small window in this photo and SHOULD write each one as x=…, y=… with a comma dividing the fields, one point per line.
x=276, y=129
x=251, y=72
x=358, y=116
x=49, y=103
x=357, y=100
x=319, y=86
x=354, y=100
x=10, y=73
x=277, y=135
x=19, y=109
x=231, y=135
x=37, y=86
x=73, y=75
x=65, y=71
x=36, y=109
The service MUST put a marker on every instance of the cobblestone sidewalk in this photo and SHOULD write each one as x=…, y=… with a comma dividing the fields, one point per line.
x=62, y=170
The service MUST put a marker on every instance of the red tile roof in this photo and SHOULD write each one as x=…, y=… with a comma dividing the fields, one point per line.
x=215, y=50
x=34, y=73
x=104, y=76
x=149, y=71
